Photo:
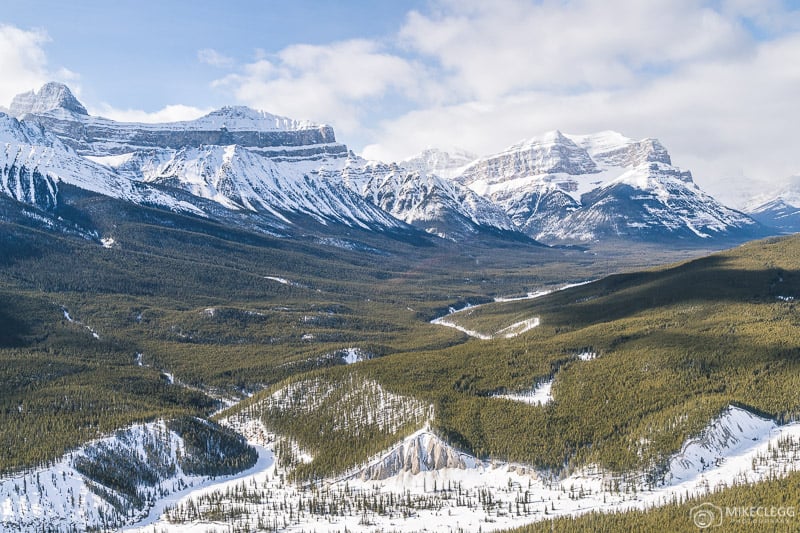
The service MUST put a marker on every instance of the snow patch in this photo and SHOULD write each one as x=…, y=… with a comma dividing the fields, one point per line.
x=541, y=394
x=74, y=321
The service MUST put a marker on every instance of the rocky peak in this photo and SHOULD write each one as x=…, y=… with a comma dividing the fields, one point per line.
x=550, y=153
x=51, y=96
x=421, y=452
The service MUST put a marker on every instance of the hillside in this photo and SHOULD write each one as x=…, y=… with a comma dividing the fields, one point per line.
x=663, y=385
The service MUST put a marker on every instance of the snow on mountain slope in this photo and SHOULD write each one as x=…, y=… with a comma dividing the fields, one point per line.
x=556, y=188
x=33, y=162
x=652, y=201
x=780, y=208
x=242, y=159
x=551, y=154
x=578, y=188
x=734, y=431
x=51, y=96
x=424, y=200
x=239, y=178
x=57, y=110
x=612, y=149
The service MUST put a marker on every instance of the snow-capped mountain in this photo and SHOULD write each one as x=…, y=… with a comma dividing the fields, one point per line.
x=51, y=96
x=240, y=158
x=555, y=188
x=779, y=209
x=59, y=112
x=581, y=188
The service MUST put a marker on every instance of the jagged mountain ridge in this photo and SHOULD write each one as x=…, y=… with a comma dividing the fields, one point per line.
x=561, y=188
x=425, y=200
x=34, y=162
x=555, y=188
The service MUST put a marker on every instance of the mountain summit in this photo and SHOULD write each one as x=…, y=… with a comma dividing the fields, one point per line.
x=51, y=96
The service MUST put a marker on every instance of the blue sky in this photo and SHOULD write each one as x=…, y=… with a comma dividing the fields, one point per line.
x=717, y=81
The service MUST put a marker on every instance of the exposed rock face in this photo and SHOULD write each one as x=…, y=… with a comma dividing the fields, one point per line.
x=612, y=149
x=422, y=452
x=555, y=188
x=240, y=178
x=550, y=154
x=240, y=158
x=443, y=164
x=97, y=136
x=51, y=96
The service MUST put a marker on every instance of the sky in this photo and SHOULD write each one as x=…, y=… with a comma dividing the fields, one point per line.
x=718, y=82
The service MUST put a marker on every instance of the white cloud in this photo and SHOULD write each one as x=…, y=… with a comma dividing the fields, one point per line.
x=209, y=56
x=23, y=62
x=170, y=113
x=332, y=83
x=493, y=49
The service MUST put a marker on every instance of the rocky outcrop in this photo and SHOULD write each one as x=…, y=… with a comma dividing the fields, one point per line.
x=422, y=452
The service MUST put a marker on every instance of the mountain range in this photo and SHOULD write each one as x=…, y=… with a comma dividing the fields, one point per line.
x=249, y=167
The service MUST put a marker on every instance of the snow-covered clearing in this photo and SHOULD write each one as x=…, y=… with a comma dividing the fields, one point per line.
x=442, y=321
x=282, y=281
x=539, y=294
x=507, y=332
x=354, y=355
x=539, y=395
x=518, y=328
